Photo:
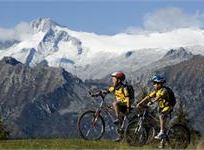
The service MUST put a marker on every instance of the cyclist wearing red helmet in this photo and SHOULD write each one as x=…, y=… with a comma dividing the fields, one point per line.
x=122, y=102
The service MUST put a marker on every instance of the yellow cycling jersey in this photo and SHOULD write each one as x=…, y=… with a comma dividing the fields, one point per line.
x=121, y=93
x=163, y=96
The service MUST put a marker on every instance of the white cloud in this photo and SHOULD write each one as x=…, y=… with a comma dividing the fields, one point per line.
x=168, y=19
x=171, y=18
x=22, y=31
x=133, y=30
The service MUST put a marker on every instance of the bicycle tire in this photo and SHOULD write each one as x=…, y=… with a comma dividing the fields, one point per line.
x=85, y=128
x=133, y=137
x=178, y=136
x=151, y=132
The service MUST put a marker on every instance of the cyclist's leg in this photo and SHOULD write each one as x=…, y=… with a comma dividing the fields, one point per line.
x=121, y=113
x=166, y=112
x=122, y=109
x=163, y=114
x=116, y=109
x=162, y=121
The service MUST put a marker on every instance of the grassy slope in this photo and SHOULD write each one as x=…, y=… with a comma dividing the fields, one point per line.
x=62, y=144
x=67, y=144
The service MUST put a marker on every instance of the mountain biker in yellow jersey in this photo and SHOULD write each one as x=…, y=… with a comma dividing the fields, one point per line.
x=161, y=95
x=121, y=103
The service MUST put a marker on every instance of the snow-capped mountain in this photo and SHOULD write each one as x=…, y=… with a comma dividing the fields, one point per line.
x=89, y=55
x=172, y=57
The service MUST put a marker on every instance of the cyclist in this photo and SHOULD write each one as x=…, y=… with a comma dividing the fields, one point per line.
x=121, y=103
x=162, y=96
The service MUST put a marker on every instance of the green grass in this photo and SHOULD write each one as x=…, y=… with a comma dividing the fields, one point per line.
x=68, y=144
x=64, y=144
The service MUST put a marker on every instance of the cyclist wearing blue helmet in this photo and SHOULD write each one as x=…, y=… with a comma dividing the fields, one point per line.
x=163, y=95
x=158, y=79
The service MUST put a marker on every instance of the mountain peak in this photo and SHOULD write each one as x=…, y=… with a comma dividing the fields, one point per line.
x=178, y=53
x=10, y=60
x=43, y=24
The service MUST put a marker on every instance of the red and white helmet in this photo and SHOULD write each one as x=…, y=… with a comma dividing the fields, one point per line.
x=119, y=75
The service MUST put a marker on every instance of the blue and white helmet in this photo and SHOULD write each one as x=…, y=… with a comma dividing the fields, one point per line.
x=158, y=79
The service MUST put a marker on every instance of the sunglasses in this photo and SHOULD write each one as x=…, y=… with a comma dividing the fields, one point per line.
x=154, y=83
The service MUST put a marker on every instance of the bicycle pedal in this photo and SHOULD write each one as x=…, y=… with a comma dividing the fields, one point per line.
x=121, y=131
x=161, y=137
x=116, y=122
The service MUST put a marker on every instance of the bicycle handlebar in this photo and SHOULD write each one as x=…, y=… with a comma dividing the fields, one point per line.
x=144, y=107
x=97, y=93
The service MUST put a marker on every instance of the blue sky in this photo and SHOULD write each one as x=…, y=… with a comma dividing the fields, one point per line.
x=102, y=17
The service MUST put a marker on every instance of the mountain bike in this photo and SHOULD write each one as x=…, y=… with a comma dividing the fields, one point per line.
x=143, y=129
x=91, y=123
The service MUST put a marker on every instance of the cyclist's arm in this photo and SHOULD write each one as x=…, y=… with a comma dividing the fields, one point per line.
x=128, y=102
x=143, y=100
x=108, y=90
x=151, y=95
x=127, y=98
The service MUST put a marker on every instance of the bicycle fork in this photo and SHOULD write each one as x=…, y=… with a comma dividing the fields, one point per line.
x=96, y=115
x=139, y=125
x=123, y=123
x=122, y=126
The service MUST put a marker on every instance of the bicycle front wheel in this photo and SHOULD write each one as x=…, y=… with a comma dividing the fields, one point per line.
x=91, y=125
x=135, y=135
x=179, y=137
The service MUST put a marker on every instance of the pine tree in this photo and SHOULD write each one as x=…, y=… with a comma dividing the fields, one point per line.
x=3, y=132
x=182, y=115
x=182, y=118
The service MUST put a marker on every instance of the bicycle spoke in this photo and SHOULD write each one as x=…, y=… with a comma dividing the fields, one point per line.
x=88, y=132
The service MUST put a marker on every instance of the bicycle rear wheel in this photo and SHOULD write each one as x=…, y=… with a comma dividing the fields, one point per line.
x=151, y=132
x=178, y=136
x=91, y=126
x=135, y=135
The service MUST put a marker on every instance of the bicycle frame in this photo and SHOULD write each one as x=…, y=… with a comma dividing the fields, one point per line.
x=108, y=111
x=103, y=107
x=148, y=118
